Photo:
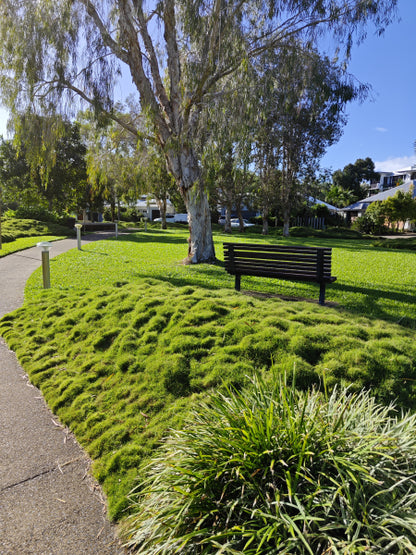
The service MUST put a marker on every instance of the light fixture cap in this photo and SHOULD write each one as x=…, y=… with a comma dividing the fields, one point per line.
x=44, y=245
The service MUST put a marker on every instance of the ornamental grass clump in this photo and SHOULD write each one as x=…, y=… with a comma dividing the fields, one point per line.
x=274, y=470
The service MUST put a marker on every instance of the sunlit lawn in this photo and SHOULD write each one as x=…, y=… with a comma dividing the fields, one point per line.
x=128, y=340
x=370, y=281
x=25, y=243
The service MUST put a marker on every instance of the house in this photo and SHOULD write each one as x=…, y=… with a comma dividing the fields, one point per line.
x=357, y=209
x=388, y=180
x=332, y=209
x=149, y=208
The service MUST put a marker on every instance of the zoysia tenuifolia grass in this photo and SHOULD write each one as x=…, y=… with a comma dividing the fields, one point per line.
x=121, y=364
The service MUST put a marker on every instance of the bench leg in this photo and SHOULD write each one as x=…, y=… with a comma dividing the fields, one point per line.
x=237, y=282
x=322, y=293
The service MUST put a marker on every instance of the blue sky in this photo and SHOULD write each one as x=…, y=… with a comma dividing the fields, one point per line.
x=383, y=127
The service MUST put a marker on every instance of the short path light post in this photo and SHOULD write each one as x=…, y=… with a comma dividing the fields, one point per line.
x=116, y=223
x=45, y=246
x=78, y=227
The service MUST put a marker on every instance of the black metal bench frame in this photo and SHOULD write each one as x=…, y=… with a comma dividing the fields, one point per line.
x=280, y=262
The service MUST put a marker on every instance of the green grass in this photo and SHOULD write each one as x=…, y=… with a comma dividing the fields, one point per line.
x=25, y=243
x=127, y=340
x=20, y=234
x=377, y=282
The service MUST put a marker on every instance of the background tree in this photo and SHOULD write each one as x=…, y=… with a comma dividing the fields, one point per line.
x=155, y=179
x=399, y=208
x=58, y=184
x=179, y=55
x=15, y=178
x=302, y=114
x=340, y=197
x=352, y=177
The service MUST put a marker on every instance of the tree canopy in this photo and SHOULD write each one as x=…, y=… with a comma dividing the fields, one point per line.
x=59, y=185
x=353, y=175
x=180, y=55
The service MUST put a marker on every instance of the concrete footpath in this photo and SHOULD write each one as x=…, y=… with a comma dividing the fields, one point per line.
x=49, y=503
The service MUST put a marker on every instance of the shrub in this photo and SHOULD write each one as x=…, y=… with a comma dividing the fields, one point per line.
x=35, y=213
x=275, y=470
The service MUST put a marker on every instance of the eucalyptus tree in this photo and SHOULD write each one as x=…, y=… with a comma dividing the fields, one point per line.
x=179, y=54
x=302, y=114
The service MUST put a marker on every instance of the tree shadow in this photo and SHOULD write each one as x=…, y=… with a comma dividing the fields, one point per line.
x=155, y=235
x=362, y=301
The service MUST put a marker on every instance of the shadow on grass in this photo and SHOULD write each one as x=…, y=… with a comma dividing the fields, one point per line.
x=164, y=236
x=369, y=302
x=152, y=236
x=361, y=301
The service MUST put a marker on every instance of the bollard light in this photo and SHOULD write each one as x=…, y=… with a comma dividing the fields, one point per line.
x=116, y=222
x=45, y=247
x=78, y=227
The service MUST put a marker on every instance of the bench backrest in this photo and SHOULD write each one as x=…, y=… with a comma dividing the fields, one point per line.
x=309, y=263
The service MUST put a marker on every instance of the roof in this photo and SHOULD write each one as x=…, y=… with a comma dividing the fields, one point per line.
x=314, y=200
x=363, y=204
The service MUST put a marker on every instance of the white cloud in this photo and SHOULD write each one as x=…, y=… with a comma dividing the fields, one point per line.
x=381, y=129
x=395, y=164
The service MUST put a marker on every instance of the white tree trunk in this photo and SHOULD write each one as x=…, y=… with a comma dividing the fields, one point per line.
x=186, y=171
x=227, y=226
x=286, y=223
x=200, y=243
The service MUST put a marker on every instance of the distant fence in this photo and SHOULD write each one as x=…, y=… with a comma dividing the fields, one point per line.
x=316, y=223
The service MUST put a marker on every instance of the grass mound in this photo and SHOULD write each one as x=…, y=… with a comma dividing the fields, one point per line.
x=273, y=470
x=123, y=363
x=14, y=228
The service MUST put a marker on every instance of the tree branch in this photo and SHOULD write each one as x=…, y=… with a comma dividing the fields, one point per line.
x=105, y=34
x=154, y=65
x=140, y=79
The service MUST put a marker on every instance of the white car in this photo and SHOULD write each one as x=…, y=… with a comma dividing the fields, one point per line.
x=174, y=218
x=235, y=222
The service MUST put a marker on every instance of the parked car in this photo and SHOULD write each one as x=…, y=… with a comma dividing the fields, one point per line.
x=174, y=218
x=235, y=222
x=170, y=218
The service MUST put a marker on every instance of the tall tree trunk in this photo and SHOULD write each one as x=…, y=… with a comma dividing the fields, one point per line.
x=227, y=225
x=265, y=219
x=162, y=209
x=286, y=222
x=240, y=218
x=186, y=171
x=200, y=243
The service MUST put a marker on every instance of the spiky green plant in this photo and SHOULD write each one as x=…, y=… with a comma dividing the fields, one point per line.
x=274, y=470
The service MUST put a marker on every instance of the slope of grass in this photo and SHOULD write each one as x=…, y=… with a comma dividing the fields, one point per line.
x=25, y=243
x=128, y=339
x=14, y=228
x=19, y=234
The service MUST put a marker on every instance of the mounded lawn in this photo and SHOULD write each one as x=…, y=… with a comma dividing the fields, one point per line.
x=127, y=341
x=20, y=234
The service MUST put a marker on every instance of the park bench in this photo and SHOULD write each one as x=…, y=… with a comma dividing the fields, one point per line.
x=281, y=262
